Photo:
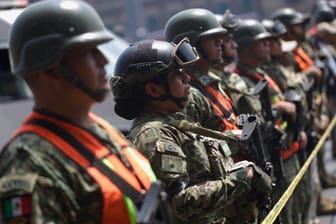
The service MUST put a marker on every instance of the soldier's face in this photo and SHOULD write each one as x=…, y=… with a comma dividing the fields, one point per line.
x=229, y=46
x=275, y=46
x=298, y=30
x=178, y=82
x=212, y=45
x=261, y=49
x=87, y=63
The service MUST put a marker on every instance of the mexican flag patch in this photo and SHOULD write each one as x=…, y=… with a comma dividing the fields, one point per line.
x=17, y=206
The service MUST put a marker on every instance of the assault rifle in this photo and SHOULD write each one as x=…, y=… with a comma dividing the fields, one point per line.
x=296, y=127
x=272, y=136
x=251, y=135
x=154, y=208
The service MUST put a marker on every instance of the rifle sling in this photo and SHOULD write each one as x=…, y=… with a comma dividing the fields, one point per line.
x=187, y=126
x=123, y=186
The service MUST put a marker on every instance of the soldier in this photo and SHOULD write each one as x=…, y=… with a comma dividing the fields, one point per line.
x=205, y=33
x=307, y=63
x=197, y=170
x=51, y=169
x=253, y=50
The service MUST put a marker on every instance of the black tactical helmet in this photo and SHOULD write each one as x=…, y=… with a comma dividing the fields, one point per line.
x=275, y=28
x=289, y=17
x=323, y=14
x=192, y=23
x=248, y=31
x=146, y=60
x=45, y=30
x=228, y=20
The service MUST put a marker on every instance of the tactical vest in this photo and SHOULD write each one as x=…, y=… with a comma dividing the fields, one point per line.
x=117, y=208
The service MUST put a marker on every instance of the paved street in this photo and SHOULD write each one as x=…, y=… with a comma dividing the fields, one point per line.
x=331, y=167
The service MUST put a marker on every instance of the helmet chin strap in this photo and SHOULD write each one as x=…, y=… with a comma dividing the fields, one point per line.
x=205, y=56
x=97, y=95
x=177, y=100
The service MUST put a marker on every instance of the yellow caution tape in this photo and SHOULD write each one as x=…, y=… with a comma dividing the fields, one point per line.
x=273, y=214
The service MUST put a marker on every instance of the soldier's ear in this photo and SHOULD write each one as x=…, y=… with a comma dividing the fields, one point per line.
x=153, y=89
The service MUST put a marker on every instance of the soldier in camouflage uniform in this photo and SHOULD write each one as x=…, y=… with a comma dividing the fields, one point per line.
x=281, y=68
x=205, y=33
x=48, y=171
x=197, y=170
x=252, y=51
x=306, y=62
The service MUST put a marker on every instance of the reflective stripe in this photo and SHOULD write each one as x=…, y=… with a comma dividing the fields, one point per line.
x=302, y=59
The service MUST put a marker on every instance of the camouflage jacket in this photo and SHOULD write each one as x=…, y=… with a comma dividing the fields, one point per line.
x=201, y=81
x=193, y=168
x=60, y=190
x=241, y=94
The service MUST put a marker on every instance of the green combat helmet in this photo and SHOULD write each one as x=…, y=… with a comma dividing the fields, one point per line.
x=289, y=17
x=42, y=44
x=192, y=23
x=323, y=14
x=249, y=30
x=146, y=61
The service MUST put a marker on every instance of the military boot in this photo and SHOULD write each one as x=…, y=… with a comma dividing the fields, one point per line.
x=326, y=206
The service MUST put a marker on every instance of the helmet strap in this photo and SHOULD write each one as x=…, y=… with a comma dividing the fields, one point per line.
x=75, y=81
x=177, y=100
x=206, y=57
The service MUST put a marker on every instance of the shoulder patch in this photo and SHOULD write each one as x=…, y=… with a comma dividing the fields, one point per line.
x=17, y=209
x=23, y=183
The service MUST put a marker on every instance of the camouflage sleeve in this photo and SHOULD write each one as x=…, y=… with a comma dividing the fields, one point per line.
x=191, y=197
x=38, y=184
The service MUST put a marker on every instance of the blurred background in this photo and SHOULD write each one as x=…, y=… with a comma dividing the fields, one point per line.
x=143, y=19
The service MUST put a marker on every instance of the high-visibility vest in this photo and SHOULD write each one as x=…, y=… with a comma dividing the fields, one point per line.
x=294, y=146
x=117, y=208
x=222, y=104
x=302, y=59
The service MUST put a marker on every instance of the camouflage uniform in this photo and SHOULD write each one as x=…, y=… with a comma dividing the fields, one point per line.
x=204, y=80
x=202, y=163
x=200, y=111
x=241, y=95
x=59, y=189
x=291, y=165
x=286, y=78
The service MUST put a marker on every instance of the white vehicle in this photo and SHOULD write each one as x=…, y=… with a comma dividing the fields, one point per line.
x=15, y=97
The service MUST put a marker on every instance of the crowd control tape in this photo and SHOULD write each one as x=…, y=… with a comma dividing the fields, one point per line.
x=273, y=214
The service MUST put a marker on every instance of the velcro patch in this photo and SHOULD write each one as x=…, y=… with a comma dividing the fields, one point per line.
x=24, y=183
x=17, y=208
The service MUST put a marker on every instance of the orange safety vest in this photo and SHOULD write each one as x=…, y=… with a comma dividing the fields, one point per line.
x=115, y=208
x=222, y=105
x=294, y=147
x=302, y=59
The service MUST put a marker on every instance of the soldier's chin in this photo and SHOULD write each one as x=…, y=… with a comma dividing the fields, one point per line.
x=102, y=95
